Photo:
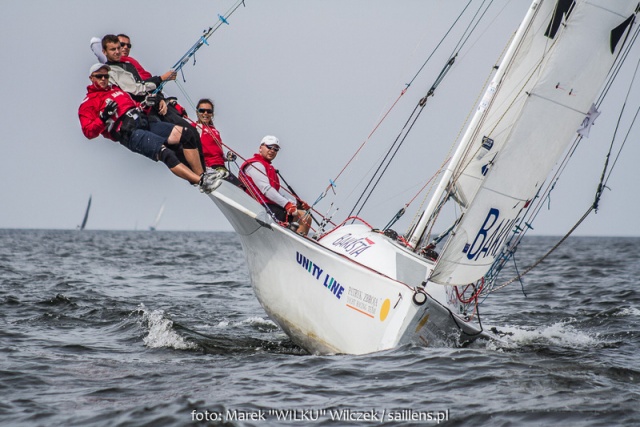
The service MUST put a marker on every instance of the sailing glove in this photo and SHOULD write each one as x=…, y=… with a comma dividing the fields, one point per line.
x=231, y=156
x=291, y=209
x=303, y=205
x=110, y=109
x=151, y=100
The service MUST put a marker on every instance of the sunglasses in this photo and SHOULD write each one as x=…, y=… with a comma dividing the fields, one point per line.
x=125, y=44
x=272, y=147
x=205, y=110
x=100, y=76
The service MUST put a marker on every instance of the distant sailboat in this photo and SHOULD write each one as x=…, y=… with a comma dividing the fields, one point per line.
x=153, y=226
x=86, y=216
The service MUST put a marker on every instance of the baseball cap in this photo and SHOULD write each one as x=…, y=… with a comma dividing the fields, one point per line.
x=96, y=67
x=270, y=140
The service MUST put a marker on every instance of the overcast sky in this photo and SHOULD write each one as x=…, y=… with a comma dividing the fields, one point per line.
x=318, y=74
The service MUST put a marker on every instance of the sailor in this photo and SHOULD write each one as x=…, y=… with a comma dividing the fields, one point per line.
x=263, y=184
x=125, y=46
x=112, y=113
x=128, y=79
x=211, y=141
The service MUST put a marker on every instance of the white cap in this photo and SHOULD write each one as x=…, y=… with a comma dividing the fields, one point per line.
x=270, y=140
x=96, y=67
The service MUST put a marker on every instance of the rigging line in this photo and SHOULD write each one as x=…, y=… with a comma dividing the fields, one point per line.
x=390, y=160
x=404, y=208
x=407, y=85
x=398, y=142
x=362, y=145
x=461, y=43
x=528, y=269
x=622, y=146
x=382, y=162
x=222, y=19
x=624, y=106
x=618, y=65
x=186, y=95
x=439, y=43
x=463, y=39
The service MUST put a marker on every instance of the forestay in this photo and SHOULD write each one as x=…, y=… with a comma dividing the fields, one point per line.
x=540, y=102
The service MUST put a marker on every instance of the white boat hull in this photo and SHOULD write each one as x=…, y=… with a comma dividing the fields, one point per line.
x=326, y=302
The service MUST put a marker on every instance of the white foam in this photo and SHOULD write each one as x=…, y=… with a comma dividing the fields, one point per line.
x=561, y=334
x=628, y=311
x=258, y=321
x=161, y=332
x=249, y=321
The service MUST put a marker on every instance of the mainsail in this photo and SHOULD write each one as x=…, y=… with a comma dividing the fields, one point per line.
x=540, y=103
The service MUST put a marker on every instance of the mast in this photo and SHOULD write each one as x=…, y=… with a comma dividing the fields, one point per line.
x=467, y=139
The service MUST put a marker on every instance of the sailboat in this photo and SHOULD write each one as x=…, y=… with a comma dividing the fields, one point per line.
x=154, y=226
x=355, y=289
x=86, y=215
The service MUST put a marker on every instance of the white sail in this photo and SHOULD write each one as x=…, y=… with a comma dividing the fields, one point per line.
x=154, y=226
x=550, y=98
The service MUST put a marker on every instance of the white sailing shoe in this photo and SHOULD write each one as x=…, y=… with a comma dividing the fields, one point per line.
x=209, y=179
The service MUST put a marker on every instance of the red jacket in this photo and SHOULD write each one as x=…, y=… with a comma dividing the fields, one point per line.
x=94, y=103
x=144, y=74
x=251, y=186
x=211, y=145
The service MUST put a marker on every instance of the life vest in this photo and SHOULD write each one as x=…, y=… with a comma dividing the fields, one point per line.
x=252, y=189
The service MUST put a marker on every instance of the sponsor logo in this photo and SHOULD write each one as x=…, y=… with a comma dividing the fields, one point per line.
x=353, y=246
x=364, y=303
x=319, y=274
x=490, y=237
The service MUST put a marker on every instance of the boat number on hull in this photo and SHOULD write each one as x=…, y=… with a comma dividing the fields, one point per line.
x=490, y=236
x=326, y=279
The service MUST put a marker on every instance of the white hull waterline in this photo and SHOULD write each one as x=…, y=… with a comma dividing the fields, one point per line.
x=329, y=303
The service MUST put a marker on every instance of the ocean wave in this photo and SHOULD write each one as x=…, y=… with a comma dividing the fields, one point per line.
x=161, y=332
x=561, y=334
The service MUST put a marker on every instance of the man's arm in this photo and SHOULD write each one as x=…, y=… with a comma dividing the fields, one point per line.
x=90, y=121
x=258, y=174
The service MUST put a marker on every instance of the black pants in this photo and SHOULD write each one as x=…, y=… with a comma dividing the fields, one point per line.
x=279, y=212
x=175, y=118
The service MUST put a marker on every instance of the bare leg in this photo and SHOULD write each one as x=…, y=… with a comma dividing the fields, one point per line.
x=184, y=172
x=193, y=158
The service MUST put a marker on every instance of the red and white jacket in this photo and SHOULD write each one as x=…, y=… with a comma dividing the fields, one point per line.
x=265, y=189
x=94, y=103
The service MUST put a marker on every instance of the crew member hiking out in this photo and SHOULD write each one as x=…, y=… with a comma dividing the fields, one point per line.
x=112, y=113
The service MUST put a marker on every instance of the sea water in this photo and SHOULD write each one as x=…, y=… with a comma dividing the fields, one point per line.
x=101, y=328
